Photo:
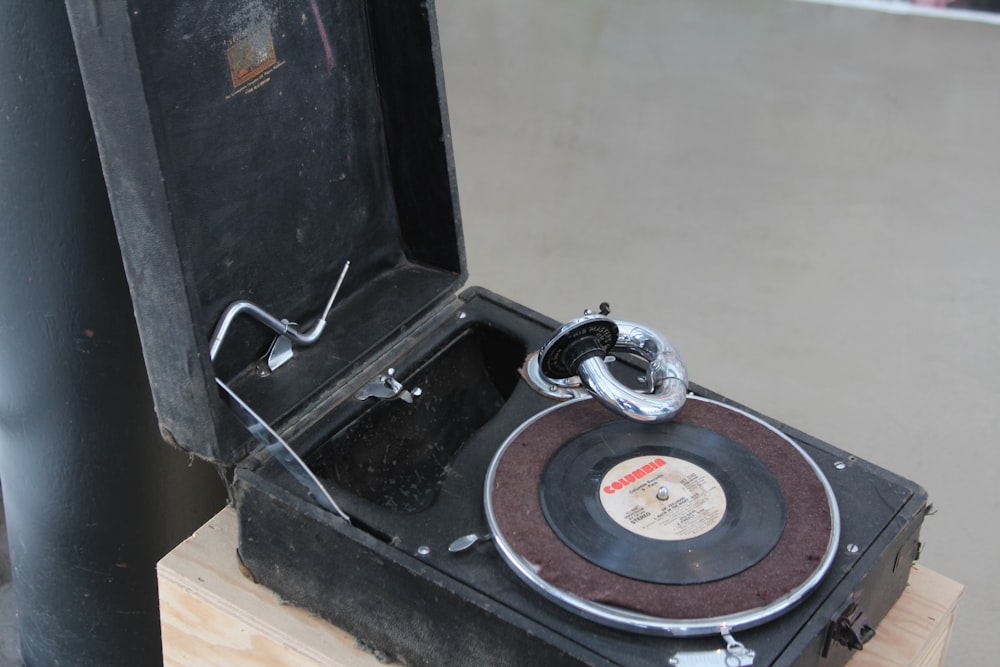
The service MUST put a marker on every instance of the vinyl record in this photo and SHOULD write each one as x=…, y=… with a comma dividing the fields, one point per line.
x=588, y=556
x=668, y=503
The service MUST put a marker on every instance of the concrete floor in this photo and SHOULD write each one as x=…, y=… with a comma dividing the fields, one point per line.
x=803, y=197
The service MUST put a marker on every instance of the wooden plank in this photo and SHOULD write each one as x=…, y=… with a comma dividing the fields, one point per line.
x=213, y=616
x=917, y=629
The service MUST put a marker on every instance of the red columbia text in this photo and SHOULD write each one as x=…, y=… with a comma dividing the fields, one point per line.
x=634, y=476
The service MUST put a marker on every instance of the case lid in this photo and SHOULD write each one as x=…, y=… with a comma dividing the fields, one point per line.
x=250, y=148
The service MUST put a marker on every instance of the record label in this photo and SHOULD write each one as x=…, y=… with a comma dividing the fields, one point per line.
x=662, y=497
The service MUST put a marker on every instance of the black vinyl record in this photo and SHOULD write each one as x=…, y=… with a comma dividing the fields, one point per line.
x=669, y=503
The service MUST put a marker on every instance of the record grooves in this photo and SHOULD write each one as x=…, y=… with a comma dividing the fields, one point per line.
x=780, y=577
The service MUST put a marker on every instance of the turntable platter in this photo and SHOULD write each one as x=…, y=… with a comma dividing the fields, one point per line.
x=713, y=520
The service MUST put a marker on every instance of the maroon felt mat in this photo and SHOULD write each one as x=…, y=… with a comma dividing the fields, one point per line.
x=796, y=556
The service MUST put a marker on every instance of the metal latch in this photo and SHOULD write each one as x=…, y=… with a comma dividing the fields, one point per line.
x=852, y=628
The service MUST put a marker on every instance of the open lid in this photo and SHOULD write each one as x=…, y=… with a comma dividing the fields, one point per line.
x=250, y=148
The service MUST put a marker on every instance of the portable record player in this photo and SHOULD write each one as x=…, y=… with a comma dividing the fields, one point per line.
x=451, y=477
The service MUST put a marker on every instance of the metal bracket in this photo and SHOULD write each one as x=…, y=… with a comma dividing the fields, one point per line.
x=387, y=387
x=279, y=354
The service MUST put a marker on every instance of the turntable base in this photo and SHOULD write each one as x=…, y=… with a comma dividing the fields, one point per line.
x=211, y=614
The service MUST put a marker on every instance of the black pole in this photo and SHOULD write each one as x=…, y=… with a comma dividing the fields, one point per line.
x=92, y=495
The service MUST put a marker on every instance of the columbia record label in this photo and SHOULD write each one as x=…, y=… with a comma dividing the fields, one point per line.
x=662, y=497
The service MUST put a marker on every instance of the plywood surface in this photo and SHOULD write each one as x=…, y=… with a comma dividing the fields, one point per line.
x=917, y=629
x=212, y=615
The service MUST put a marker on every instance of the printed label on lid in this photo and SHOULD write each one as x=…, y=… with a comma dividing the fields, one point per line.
x=252, y=59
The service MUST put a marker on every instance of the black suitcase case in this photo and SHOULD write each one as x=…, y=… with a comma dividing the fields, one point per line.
x=250, y=149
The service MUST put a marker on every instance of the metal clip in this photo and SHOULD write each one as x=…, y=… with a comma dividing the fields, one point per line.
x=279, y=354
x=387, y=387
x=734, y=655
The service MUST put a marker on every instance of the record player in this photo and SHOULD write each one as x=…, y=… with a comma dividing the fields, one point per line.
x=448, y=475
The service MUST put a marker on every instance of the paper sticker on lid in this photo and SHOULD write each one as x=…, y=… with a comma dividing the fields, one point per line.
x=252, y=59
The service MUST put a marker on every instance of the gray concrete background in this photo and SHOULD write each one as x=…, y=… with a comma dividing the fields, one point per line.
x=804, y=198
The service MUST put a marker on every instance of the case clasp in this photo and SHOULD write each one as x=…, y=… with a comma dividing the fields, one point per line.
x=852, y=629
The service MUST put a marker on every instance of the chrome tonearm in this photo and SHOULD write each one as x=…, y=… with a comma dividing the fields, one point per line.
x=580, y=347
